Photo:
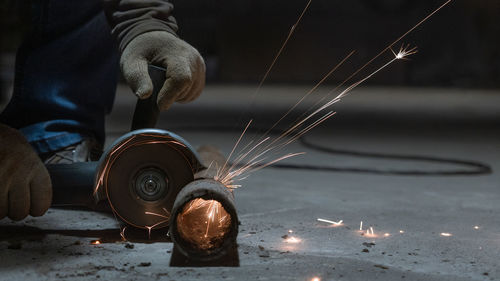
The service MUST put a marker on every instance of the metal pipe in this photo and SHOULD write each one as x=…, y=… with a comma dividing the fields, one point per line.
x=204, y=222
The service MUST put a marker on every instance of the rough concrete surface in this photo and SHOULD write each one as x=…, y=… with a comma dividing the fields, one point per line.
x=414, y=210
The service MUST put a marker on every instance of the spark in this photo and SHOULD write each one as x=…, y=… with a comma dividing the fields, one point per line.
x=212, y=209
x=401, y=231
x=293, y=240
x=95, y=242
x=122, y=234
x=234, y=148
x=446, y=234
x=361, y=226
x=316, y=279
x=476, y=227
x=290, y=231
x=387, y=234
x=404, y=51
x=335, y=223
x=290, y=33
x=149, y=231
x=166, y=220
x=369, y=233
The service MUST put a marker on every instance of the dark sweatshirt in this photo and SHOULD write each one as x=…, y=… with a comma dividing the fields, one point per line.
x=129, y=18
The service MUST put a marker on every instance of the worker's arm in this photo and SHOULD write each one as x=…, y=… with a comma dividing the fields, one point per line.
x=25, y=187
x=145, y=30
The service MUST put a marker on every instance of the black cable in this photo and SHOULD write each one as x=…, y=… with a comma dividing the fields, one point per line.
x=474, y=168
x=477, y=168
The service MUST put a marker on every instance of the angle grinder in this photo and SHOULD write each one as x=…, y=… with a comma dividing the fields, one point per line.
x=139, y=175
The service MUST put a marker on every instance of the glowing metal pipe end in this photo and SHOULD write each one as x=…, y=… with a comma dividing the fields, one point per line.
x=203, y=223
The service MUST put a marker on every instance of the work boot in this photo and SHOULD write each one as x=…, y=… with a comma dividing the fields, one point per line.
x=87, y=150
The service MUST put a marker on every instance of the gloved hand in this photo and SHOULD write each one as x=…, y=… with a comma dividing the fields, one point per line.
x=185, y=76
x=25, y=186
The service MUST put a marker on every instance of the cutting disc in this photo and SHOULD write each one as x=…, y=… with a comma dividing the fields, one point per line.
x=143, y=178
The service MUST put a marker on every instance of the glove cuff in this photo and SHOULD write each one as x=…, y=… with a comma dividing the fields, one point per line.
x=140, y=28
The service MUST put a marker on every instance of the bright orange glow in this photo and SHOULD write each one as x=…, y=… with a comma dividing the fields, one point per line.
x=293, y=240
x=95, y=242
x=316, y=279
x=204, y=223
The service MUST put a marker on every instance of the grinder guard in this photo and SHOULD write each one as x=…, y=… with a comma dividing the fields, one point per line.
x=142, y=173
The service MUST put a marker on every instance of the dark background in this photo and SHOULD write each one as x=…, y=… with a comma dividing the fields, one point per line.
x=458, y=47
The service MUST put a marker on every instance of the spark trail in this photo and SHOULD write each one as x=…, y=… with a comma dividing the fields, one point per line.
x=290, y=33
x=255, y=162
x=265, y=146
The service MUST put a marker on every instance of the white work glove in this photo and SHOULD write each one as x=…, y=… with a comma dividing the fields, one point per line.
x=25, y=187
x=185, y=75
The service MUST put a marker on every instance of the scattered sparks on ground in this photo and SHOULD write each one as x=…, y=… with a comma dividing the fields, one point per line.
x=370, y=233
x=292, y=240
x=446, y=234
x=95, y=242
x=333, y=223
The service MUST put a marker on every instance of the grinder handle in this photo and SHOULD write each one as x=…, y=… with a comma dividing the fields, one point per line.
x=146, y=110
x=72, y=184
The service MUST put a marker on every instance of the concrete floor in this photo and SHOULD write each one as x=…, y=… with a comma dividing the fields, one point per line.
x=414, y=210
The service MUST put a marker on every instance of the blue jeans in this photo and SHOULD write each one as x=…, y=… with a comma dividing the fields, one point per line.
x=66, y=75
